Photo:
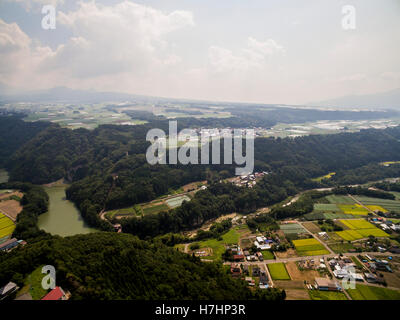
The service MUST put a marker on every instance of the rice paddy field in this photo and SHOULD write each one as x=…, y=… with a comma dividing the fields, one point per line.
x=6, y=227
x=359, y=229
x=309, y=247
x=278, y=271
x=363, y=292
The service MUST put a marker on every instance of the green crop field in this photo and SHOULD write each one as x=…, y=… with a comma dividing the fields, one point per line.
x=354, y=209
x=278, y=271
x=155, y=209
x=339, y=199
x=390, y=205
x=339, y=247
x=327, y=215
x=363, y=292
x=326, y=207
x=267, y=255
x=326, y=295
x=292, y=228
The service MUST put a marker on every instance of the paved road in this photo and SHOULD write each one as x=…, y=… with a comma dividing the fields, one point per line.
x=331, y=255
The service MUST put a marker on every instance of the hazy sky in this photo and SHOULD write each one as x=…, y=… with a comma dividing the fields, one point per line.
x=286, y=51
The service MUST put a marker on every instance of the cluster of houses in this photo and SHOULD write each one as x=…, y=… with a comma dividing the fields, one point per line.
x=386, y=225
x=378, y=265
x=11, y=244
x=249, y=180
x=264, y=243
x=345, y=268
x=239, y=270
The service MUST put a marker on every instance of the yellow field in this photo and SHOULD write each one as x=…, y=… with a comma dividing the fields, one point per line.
x=360, y=229
x=377, y=208
x=327, y=176
x=354, y=209
x=388, y=163
x=349, y=235
x=305, y=242
x=309, y=247
x=372, y=232
x=6, y=226
x=357, y=224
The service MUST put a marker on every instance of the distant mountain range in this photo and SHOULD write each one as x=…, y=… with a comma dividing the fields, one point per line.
x=63, y=94
x=384, y=100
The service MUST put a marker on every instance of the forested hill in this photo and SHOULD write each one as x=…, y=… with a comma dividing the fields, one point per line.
x=14, y=132
x=119, y=266
x=109, y=170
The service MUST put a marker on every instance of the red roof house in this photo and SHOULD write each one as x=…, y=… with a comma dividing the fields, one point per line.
x=56, y=294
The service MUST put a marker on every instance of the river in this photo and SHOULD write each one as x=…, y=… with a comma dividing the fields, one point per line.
x=62, y=218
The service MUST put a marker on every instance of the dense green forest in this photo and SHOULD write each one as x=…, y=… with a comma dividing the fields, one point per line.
x=110, y=266
x=108, y=170
x=14, y=133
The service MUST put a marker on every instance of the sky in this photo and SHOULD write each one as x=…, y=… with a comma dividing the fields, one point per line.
x=265, y=51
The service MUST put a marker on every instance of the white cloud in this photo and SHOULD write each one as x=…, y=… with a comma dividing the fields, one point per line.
x=127, y=37
x=124, y=41
x=255, y=55
x=37, y=4
x=19, y=56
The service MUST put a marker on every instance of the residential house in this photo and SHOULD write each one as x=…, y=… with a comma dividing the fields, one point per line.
x=8, y=290
x=56, y=294
x=325, y=284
